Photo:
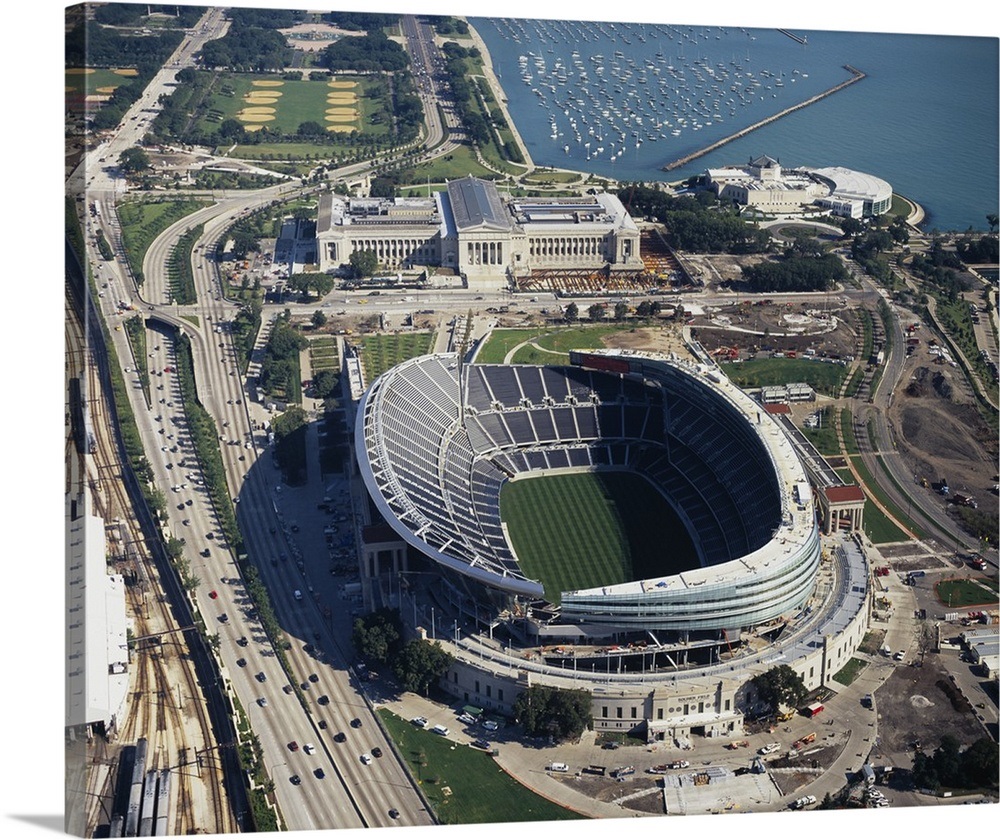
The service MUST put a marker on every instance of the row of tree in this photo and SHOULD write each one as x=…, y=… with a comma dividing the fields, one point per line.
x=279, y=370
x=417, y=664
x=794, y=272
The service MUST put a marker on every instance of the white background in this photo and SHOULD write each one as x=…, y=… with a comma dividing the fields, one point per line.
x=31, y=673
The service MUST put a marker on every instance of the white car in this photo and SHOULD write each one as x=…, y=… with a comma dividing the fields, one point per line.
x=769, y=748
x=308, y=749
x=366, y=759
x=491, y=725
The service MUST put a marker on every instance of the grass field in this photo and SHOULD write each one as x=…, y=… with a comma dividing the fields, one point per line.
x=559, y=341
x=381, y=352
x=97, y=81
x=342, y=105
x=964, y=593
x=849, y=673
x=580, y=530
x=825, y=377
x=143, y=221
x=480, y=792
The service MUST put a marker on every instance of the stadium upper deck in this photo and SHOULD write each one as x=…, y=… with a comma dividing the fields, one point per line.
x=434, y=453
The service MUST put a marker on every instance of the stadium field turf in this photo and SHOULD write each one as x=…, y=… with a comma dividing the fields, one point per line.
x=581, y=530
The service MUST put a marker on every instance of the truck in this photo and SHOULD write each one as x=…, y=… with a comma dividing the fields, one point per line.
x=813, y=709
x=785, y=713
x=978, y=562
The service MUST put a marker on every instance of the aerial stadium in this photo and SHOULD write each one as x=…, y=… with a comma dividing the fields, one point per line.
x=733, y=572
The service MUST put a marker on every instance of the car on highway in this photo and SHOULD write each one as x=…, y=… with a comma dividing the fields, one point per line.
x=313, y=678
x=295, y=780
x=323, y=700
x=242, y=641
x=287, y=688
x=376, y=752
x=293, y=745
x=261, y=677
x=393, y=813
x=366, y=759
x=262, y=702
x=213, y=594
x=223, y=618
x=319, y=773
x=356, y=723
x=340, y=737
x=304, y=685
x=308, y=749
x=322, y=724
x=241, y=663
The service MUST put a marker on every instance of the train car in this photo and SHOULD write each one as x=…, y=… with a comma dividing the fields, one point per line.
x=135, y=795
x=163, y=804
x=148, y=805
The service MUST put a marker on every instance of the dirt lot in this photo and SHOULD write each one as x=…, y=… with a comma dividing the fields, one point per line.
x=913, y=708
x=936, y=398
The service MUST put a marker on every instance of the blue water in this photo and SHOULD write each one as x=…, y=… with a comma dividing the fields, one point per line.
x=925, y=119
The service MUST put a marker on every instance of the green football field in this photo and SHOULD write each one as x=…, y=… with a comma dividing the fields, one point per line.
x=581, y=530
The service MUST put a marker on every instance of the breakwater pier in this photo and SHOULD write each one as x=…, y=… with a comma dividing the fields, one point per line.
x=856, y=76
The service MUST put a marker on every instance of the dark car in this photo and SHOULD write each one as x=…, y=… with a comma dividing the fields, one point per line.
x=323, y=700
x=242, y=641
x=223, y=618
x=295, y=780
x=340, y=737
x=356, y=723
x=304, y=686
x=321, y=724
x=313, y=678
x=393, y=813
x=293, y=746
x=261, y=677
x=318, y=773
x=609, y=745
x=242, y=663
x=376, y=752
x=481, y=744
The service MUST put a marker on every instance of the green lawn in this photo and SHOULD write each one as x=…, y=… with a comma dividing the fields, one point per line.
x=559, y=340
x=480, y=792
x=456, y=164
x=91, y=83
x=824, y=438
x=381, y=352
x=825, y=377
x=297, y=102
x=581, y=530
x=879, y=528
x=143, y=221
x=529, y=355
x=849, y=673
x=963, y=593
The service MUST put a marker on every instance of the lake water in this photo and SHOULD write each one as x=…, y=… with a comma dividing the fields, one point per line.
x=623, y=100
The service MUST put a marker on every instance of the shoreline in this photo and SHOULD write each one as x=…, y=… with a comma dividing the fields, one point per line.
x=499, y=96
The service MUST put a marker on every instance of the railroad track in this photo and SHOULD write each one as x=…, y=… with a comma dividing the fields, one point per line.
x=165, y=703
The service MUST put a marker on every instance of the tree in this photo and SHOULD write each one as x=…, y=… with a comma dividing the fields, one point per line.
x=596, y=311
x=981, y=764
x=621, y=311
x=378, y=636
x=421, y=663
x=779, y=686
x=175, y=548
x=364, y=263
x=555, y=712
x=133, y=160
x=325, y=382
x=318, y=318
x=571, y=312
x=992, y=219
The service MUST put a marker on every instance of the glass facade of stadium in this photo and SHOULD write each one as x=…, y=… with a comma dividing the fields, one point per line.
x=436, y=440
